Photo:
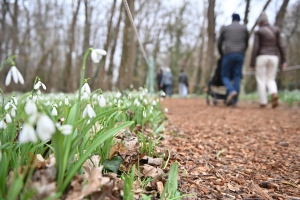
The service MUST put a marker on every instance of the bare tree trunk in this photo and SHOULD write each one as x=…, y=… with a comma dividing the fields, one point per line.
x=100, y=80
x=128, y=33
x=132, y=49
x=109, y=74
x=68, y=64
x=247, y=12
x=87, y=33
x=281, y=13
x=206, y=69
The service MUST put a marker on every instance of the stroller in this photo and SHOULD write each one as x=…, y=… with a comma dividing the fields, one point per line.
x=215, y=87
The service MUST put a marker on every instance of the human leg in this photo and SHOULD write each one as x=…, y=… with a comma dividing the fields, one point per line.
x=226, y=71
x=271, y=79
x=237, y=75
x=261, y=79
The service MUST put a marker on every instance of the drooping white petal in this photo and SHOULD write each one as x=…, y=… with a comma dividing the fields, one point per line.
x=86, y=88
x=43, y=86
x=30, y=108
x=45, y=127
x=14, y=73
x=102, y=101
x=27, y=134
x=7, y=106
x=66, y=101
x=2, y=125
x=54, y=111
x=37, y=85
x=85, y=95
x=144, y=114
x=8, y=118
x=118, y=95
x=20, y=77
x=66, y=129
x=96, y=55
x=8, y=78
x=13, y=112
x=90, y=111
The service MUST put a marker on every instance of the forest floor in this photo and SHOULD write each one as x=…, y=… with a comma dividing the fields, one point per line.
x=234, y=153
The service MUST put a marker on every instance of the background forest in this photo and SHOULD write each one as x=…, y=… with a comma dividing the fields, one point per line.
x=50, y=38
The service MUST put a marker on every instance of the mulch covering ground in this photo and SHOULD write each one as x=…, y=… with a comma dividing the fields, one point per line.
x=234, y=153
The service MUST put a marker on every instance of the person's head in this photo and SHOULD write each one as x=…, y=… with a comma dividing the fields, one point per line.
x=235, y=17
x=262, y=19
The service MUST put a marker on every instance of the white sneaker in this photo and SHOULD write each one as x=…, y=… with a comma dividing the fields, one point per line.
x=230, y=98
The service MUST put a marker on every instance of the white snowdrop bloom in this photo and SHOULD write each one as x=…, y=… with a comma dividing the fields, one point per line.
x=110, y=104
x=45, y=127
x=13, y=112
x=115, y=101
x=38, y=85
x=54, y=111
x=150, y=111
x=102, y=101
x=60, y=103
x=88, y=111
x=86, y=88
x=118, y=95
x=88, y=121
x=141, y=96
x=66, y=101
x=66, y=129
x=8, y=118
x=7, y=106
x=97, y=54
x=163, y=94
x=154, y=103
x=129, y=96
x=15, y=74
x=27, y=134
x=145, y=101
x=15, y=100
x=146, y=90
x=30, y=108
x=85, y=95
x=144, y=114
x=2, y=124
x=166, y=110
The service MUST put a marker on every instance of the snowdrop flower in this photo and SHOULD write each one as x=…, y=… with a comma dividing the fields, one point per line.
x=65, y=129
x=14, y=99
x=45, y=127
x=38, y=85
x=30, y=108
x=54, y=111
x=13, y=112
x=145, y=101
x=118, y=95
x=60, y=103
x=144, y=114
x=66, y=101
x=15, y=74
x=7, y=106
x=102, y=101
x=88, y=111
x=85, y=95
x=97, y=54
x=27, y=134
x=2, y=125
x=166, y=110
x=154, y=103
x=8, y=118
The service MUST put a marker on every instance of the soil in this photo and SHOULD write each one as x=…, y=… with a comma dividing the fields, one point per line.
x=244, y=152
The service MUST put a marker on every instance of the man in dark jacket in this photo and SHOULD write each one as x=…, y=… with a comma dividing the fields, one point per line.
x=267, y=42
x=232, y=44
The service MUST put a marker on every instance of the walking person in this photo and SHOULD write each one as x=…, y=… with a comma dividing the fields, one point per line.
x=167, y=81
x=232, y=45
x=158, y=79
x=267, y=42
x=183, y=83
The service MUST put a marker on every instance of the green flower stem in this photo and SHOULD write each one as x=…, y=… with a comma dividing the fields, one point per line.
x=2, y=95
x=9, y=59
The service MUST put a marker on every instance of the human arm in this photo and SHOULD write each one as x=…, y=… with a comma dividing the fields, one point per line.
x=255, y=50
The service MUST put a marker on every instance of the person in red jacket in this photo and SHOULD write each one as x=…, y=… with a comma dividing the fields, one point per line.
x=267, y=42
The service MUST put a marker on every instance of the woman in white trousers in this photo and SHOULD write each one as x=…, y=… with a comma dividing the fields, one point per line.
x=267, y=42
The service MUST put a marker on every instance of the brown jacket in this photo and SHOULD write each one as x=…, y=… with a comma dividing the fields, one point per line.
x=268, y=43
